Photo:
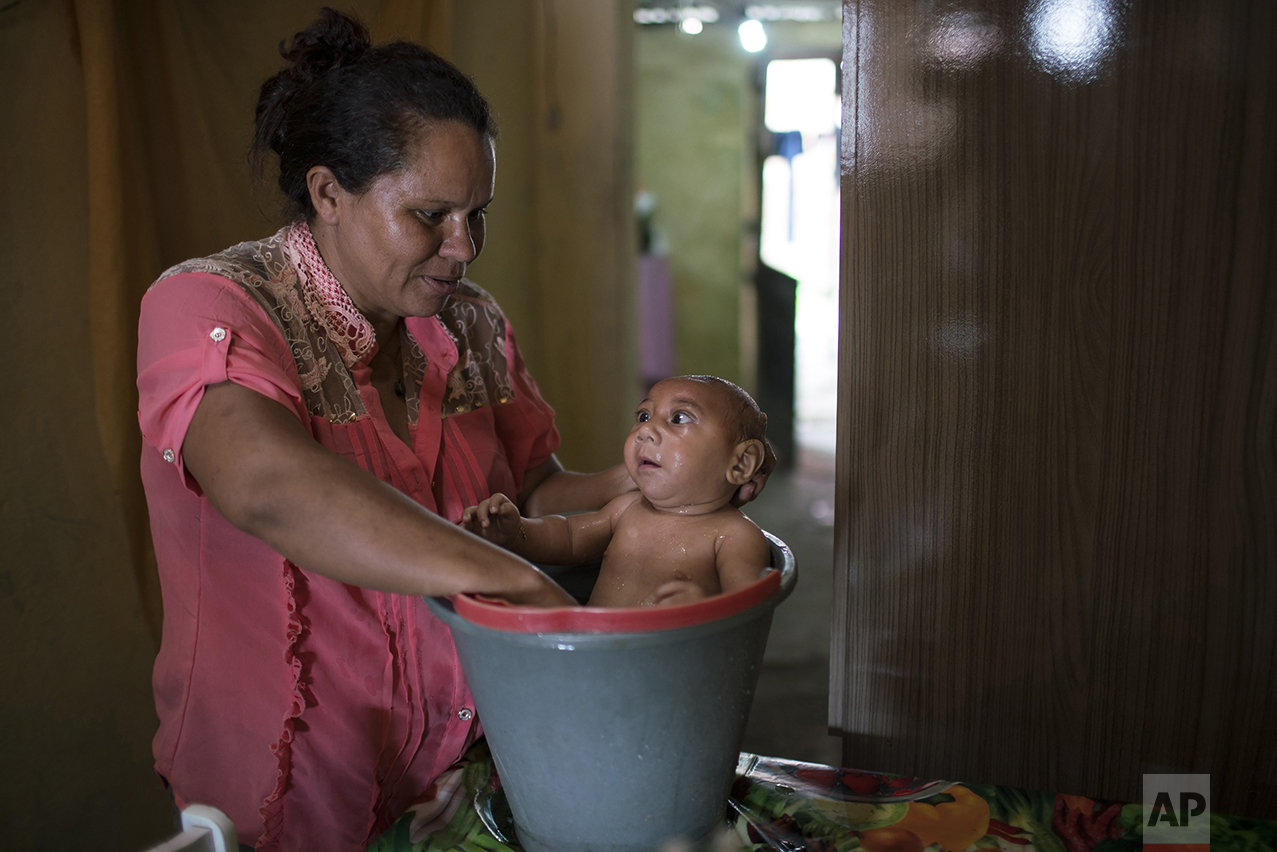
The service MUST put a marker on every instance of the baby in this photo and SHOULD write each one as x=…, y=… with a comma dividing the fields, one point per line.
x=695, y=440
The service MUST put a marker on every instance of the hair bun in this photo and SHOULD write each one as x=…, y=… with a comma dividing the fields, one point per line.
x=332, y=41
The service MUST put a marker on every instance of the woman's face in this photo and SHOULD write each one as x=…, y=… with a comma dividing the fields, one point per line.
x=401, y=247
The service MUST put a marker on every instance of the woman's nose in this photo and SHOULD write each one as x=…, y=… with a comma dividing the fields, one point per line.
x=459, y=242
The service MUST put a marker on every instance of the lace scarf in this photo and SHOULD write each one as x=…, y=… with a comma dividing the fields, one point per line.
x=350, y=330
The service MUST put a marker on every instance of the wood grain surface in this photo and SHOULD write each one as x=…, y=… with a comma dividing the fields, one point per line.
x=1056, y=547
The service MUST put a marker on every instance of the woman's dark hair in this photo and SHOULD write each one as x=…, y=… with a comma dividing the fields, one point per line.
x=355, y=108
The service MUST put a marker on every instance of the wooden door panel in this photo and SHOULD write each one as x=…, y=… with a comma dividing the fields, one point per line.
x=1057, y=518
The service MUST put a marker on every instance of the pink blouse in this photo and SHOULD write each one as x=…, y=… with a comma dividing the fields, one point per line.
x=312, y=712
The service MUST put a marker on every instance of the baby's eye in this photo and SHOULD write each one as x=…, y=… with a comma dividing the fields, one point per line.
x=642, y=417
x=678, y=418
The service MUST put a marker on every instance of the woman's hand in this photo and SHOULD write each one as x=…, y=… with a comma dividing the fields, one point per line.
x=497, y=519
x=750, y=490
x=546, y=594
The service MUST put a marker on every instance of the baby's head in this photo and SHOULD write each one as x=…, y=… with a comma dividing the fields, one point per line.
x=695, y=440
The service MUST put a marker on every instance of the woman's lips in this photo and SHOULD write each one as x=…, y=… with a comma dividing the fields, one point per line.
x=442, y=286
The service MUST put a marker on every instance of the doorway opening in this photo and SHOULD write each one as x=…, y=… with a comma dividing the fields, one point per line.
x=702, y=148
x=800, y=230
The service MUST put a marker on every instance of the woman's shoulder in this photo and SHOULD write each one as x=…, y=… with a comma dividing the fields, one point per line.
x=249, y=264
x=471, y=294
x=474, y=319
x=260, y=272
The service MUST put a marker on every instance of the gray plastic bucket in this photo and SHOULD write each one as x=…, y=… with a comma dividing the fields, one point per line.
x=617, y=742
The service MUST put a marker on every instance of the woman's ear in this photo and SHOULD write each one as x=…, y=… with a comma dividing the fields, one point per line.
x=324, y=193
x=747, y=458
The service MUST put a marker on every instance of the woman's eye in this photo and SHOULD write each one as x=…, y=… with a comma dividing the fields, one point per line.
x=478, y=215
x=430, y=215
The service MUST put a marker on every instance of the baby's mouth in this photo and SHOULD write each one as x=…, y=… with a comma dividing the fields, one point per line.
x=645, y=464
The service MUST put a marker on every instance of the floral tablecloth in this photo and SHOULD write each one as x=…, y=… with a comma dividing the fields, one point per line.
x=789, y=806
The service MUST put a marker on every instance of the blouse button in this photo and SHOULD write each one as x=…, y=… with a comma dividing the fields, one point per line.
x=218, y=334
x=169, y=455
x=465, y=714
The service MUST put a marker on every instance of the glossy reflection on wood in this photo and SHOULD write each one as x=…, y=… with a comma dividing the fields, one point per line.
x=1057, y=517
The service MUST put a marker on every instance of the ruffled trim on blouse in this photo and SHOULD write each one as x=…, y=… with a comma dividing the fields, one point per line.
x=272, y=809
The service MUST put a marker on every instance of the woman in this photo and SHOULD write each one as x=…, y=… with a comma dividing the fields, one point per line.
x=318, y=409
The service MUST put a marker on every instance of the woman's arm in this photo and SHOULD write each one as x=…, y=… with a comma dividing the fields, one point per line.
x=548, y=489
x=265, y=475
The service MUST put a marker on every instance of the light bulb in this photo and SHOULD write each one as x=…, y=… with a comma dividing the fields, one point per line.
x=752, y=35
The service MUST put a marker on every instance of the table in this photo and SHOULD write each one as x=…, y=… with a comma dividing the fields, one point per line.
x=787, y=806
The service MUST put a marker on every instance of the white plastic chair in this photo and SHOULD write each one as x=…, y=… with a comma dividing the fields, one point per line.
x=204, y=829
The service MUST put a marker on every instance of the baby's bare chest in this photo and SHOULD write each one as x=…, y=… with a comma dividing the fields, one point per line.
x=658, y=544
x=649, y=549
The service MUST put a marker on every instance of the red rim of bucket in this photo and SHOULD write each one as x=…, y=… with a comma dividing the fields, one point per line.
x=499, y=615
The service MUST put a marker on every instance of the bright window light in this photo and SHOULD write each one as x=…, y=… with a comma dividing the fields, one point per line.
x=801, y=95
x=752, y=36
x=691, y=26
x=799, y=232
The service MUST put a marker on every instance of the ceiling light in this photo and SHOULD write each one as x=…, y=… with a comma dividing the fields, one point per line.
x=752, y=35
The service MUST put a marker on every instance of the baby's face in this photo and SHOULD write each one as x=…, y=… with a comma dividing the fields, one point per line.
x=680, y=451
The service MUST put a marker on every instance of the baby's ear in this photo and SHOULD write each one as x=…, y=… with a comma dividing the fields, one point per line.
x=747, y=458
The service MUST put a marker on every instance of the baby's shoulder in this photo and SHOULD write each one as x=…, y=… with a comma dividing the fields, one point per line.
x=734, y=525
x=619, y=507
x=739, y=520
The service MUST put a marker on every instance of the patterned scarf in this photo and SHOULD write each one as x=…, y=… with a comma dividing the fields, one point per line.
x=351, y=331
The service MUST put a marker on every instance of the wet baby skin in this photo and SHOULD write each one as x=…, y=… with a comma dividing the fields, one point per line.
x=678, y=538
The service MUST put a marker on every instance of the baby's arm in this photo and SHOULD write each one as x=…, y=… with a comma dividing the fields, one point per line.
x=552, y=539
x=743, y=555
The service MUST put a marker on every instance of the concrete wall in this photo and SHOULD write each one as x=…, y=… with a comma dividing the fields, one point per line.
x=698, y=130
x=694, y=152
